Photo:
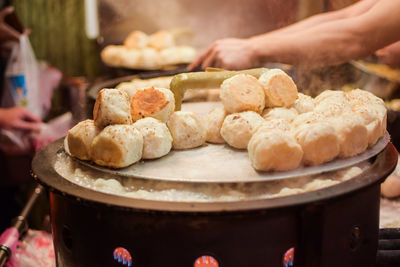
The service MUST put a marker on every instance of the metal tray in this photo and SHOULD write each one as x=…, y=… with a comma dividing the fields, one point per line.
x=222, y=164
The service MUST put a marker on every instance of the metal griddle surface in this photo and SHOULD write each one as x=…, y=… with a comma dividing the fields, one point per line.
x=223, y=164
x=213, y=163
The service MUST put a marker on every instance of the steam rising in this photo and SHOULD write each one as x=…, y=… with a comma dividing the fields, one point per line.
x=208, y=19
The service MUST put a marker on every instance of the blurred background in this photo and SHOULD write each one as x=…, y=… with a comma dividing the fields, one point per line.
x=60, y=28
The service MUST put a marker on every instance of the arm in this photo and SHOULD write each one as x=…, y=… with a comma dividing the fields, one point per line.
x=336, y=41
x=350, y=11
x=332, y=42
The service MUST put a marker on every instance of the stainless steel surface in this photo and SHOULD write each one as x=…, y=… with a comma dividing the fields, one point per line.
x=222, y=164
x=44, y=171
x=213, y=163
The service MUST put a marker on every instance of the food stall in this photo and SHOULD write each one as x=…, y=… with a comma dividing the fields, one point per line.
x=270, y=166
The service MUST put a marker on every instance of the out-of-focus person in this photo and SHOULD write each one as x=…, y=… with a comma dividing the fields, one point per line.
x=357, y=31
x=15, y=118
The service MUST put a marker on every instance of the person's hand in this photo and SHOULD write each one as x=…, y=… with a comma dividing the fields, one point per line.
x=7, y=33
x=231, y=54
x=390, y=55
x=19, y=118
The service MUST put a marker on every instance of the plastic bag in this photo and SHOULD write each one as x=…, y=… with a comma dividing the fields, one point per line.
x=53, y=130
x=22, y=78
x=28, y=84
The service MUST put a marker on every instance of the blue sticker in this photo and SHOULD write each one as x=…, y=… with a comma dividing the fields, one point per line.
x=18, y=89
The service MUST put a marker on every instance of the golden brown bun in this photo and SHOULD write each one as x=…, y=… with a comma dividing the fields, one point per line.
x=131, y=87
x=158, y=103
x=117, y=146
x=80, y=137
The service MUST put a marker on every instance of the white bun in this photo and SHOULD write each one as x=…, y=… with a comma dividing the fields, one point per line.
x=275, y=124
x=111, y=107
x=242, y=92
x=391, y=186
x=128, y=87
x=274, y=150
x=177, y=55
x=214, y=120
x=157, y=140
x=319, y=142
x=161, y=39
x=288, y=114
x=238, y=128
x=136, y=39
x=131, y=58
x=187, y=130
x=361, y=97
x=330, y=109
x=303, y=103
x=352, y=133
x=112, y=55
x=149, y=59
x=280, y=90
x=374, y=118
x=331, y=96
x=307, y=118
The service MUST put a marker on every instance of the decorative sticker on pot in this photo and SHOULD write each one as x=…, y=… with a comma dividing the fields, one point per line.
x=122, y=256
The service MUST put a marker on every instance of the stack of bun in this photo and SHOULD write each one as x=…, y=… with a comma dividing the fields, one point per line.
x=127, y=128
x=142, y=51
x=124, y=129
x=281, y=128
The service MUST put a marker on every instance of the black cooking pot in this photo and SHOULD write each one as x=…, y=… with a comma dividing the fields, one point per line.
x=334, y=226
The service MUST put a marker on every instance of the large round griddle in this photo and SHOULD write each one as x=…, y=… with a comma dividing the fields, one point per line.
x=214, y=163
x=222, y=164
